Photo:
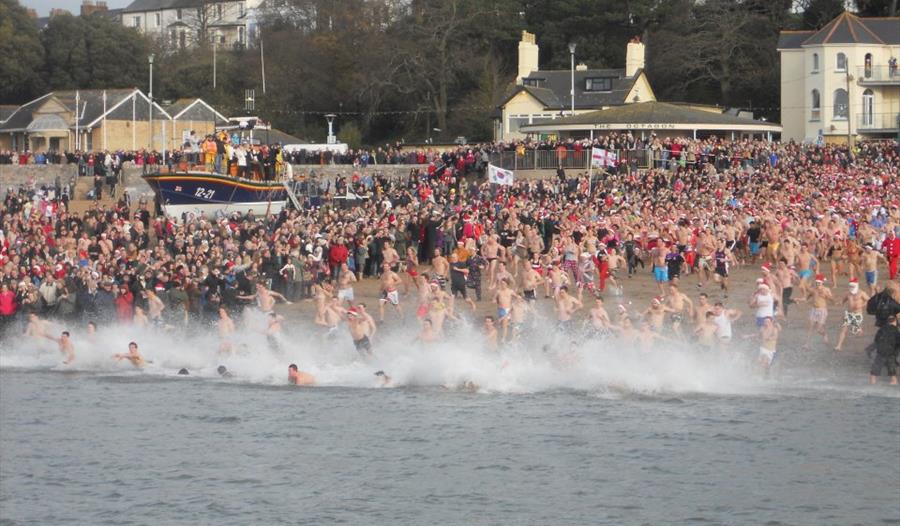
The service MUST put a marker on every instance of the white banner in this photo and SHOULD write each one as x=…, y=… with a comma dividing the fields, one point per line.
x=601, y=157
x=499, y=175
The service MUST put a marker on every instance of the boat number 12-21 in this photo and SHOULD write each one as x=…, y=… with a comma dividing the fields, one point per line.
x=204, y=193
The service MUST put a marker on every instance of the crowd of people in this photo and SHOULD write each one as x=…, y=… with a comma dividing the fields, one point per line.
x=819, y=225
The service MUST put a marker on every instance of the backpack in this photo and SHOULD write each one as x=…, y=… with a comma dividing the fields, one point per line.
x=874, y=303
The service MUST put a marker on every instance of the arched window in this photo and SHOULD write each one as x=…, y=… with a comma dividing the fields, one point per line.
x=868, y=65
x=868, y=109
x=816, y=105
x=841, y=63
x=841, y=103
x=815, y=64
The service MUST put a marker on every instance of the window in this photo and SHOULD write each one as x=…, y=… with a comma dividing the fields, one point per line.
x=815, y=64
x=182, y=40
x=598, y=84
x=135, y=21
x=816, y=106
x=241, y=9
x=218, y=10
x=840, y=63
x=241, y=35
x=532, y=83
x=178, y=14
x=173, y=37
x=516, y=122
x=158, y=19
x=868, y=108
x=868, y=66
x=841, y=103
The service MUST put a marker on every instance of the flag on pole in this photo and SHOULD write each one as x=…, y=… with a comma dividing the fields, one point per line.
x=498, y=175
x=601, y=157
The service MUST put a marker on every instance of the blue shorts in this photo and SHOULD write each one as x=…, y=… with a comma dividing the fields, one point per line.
x=871, y=277
x=804, y=274
x=501, y=313
x=661, y=274
x=754, y=248
x=760, y=322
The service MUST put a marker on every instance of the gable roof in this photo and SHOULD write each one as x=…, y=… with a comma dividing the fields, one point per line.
x=555, y=85
x=157, y=5
x=181, y=106
x=89, y=112
x=846, y=28
x=6, y=110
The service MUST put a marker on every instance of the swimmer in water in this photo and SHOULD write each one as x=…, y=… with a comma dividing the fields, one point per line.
x=298, y=377
x=65, y=346
x=223, y=371
x=226, y=329
x=362, y=329
x=183, y=372
x=133, y=356
x=383, y=379
x=36, y=327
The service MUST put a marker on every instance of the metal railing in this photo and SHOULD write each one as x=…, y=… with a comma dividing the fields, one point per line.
x=568, y=159
x=878, y=121
x=877, y=74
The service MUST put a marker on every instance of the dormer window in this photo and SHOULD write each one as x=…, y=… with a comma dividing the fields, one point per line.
x=840, y=63
x=532, y=83
x=598, y=84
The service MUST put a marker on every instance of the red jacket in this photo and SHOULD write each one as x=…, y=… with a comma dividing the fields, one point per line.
x=7, y=303
x=125, y=307
x=337, y=255
x=891, y=247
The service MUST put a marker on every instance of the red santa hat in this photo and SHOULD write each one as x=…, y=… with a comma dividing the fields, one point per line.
x=820, y=278
x=767, y=267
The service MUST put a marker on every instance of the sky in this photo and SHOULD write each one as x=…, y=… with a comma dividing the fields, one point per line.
x=73, y=6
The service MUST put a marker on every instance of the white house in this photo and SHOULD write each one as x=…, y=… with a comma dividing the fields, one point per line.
x=185, y=23
x=841, y=81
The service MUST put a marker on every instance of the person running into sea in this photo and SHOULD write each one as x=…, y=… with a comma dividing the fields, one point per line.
x=265, y=298
x=362, y=329
x=346, y=279
x=504, y=299
x=225, y=326
x=65, y=346
x=853, y=315
x=818, y=313
x=566, y=305
x=133, y=356
x=768, y=346
x=724, y=318
x=681, y=306
x=298, y=377
x=390, y=281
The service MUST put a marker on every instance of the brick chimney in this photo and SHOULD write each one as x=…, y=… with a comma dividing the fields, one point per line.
x=634, y=57
x=528, y=56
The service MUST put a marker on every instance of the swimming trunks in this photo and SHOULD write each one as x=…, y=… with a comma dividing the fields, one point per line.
x=661, y=274
x=529, y=295
x=768, y=355
x=392, y=296
x=501, y=313
x=871, y=277
x=805, y=274
x=363, y=345
x=345, y=294
x=818, y=315
x=853, y=320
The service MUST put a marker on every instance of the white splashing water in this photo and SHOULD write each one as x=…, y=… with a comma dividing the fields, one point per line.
x=542, y=361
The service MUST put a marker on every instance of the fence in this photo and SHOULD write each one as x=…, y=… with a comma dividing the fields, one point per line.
x=569, y=159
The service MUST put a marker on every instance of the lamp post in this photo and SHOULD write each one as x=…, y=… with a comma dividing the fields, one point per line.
x=150, y=93
x=331, y=138
x=572, y=59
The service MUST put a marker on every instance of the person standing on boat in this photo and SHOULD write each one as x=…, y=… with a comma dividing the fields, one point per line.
x=220, y=153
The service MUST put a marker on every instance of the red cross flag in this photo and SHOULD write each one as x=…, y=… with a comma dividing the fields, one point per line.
x=601, y=157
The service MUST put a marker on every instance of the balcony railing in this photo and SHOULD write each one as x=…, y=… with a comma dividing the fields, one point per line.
x=878, y=75
x=878, y=121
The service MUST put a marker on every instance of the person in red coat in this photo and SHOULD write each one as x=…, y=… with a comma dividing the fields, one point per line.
x=125, y=305
x=891, y=248
x=337, y=256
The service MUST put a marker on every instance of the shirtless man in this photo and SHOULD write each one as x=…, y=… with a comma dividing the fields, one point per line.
x=225, y=326
x=390, y=257
x=566, y=305
x=656, y=314
x=389, y=293
x=155, y=307
x=362, y=329
x=273, y=331
x=681, y=306
x=768, y=347
x=504, y=299
x=600, y=322
x=491, y=253
x=346, y=280
x=333, y=315
x=518, y=315
x=298, y=377
x=558, y=279
x=428, y=334
x=36, y=327
x=786, y=278
x=140, y=319
x=853, y=315
x=870, y=259
x=65, y=346
x=699, y=311
x=660, y=269
x=321, y=294
x=440, y=267
x=530, y=281
x=133, y=356
x=705, y=331
x=805, y=262
x=265, y=298
x=820, y=295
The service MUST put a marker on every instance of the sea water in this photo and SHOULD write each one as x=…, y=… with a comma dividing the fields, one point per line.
x=557, y=432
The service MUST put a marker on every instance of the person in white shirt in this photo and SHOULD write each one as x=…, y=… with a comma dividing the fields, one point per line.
x=764, y=303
